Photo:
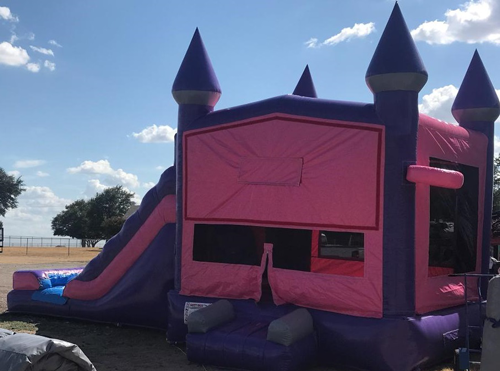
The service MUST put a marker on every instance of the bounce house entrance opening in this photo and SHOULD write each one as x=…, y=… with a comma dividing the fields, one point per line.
x=453, y=225
x=305, y=250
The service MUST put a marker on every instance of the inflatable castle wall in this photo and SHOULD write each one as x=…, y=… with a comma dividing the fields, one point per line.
x=364, y=214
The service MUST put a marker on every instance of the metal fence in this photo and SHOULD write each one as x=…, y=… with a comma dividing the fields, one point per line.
x=30, y=241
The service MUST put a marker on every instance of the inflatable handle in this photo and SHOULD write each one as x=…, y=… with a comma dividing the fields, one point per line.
x=436, y=177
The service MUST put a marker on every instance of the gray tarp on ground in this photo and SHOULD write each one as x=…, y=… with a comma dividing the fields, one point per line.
x=25, y=352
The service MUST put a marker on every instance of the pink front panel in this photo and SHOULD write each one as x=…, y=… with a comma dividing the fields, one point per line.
x=329, y=175
x=451, y=143
x=229, y=179
x=337, y=266
x=339, y=293
x=219, y=280
x=277, y=171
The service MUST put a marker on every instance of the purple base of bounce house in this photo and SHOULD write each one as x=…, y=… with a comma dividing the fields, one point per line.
x=404, y=343
x=257, y=206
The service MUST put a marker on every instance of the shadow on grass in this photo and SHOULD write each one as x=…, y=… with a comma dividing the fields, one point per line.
x=108, y=347
x=113, y=348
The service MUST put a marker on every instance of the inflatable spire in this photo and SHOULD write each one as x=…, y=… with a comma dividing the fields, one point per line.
x=476, y=99
x=395, y=76
x=196, y=82
x=197, y=91
x=396, y=64
x=477, y=107
x=305, y=86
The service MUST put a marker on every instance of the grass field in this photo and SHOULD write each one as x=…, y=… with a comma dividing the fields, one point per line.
x=40, y=255
x=110, y=348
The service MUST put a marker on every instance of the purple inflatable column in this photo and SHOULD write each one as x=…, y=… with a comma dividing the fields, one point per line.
x=197, y=91
x=476, y=107
x=395, y=76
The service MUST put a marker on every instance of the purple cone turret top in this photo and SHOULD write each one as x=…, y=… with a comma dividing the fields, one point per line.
x=476, y=99
x=196, y=82
x=305, y=86
x=396, y=64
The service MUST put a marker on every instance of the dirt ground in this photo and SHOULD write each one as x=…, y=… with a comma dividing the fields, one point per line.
x=110, y=348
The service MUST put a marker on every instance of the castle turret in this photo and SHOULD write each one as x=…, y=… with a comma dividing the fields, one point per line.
x=196, y=88
x=395, y=76
x=197, y=91
x=305, y=86
x=476, y=107
x=476, y=101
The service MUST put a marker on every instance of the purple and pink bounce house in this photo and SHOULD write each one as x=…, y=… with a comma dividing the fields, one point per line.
x=323, y=231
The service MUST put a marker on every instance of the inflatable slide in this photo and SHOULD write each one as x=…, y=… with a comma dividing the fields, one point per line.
x=126, y=283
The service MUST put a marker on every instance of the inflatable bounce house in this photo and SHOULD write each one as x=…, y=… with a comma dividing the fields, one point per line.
x=320, y=230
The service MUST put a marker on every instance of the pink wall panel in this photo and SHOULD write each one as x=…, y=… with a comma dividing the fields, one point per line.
x=339, y=177
x=340, y=188
x=452, y=143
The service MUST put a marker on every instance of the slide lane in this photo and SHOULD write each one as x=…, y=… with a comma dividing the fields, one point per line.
x=96, y=288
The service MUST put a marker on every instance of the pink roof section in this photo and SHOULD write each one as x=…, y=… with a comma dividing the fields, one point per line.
x=249, y=172
x=452, y=143
x=163, y=214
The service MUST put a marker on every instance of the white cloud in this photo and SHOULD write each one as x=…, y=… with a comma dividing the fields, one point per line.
x=312, y=42
x=94, y=186
x=359, y=30
x=148, y=185
x=476, y=21
x=33, y=67
x=159, y=167
x=6, y=14
x=42, y=174
x=42, y=50
x=438, y=103
x=497, y=146
x=15, y=173
x=13, y=55
x=136, y=199
x=55, y=43
x=348, y=33
x=14, y=37
x=156, y=134
x=50, y=65
x=37, y=206
x=103, y=168
x=22, y=164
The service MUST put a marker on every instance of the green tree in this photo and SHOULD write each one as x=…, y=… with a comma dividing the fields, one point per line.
x=10, y=188
x=496, y=184
x=111, y=203
x=112, y=226
x=96, y=219
x=73, y=222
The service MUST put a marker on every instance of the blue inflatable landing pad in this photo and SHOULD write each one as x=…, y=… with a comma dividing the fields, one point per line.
x=51, y=295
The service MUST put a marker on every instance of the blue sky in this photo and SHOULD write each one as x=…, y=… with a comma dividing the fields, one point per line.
x=85, y=98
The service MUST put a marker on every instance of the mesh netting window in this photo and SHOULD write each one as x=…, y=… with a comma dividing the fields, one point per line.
x=453, y=222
